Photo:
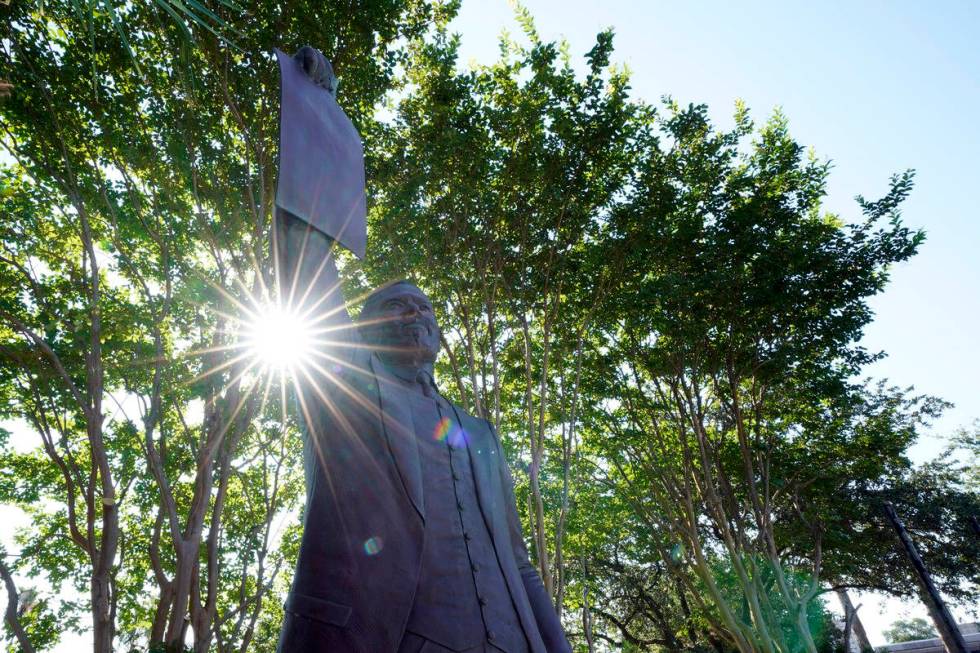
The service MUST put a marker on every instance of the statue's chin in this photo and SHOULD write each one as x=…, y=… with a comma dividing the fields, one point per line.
x=419, y=354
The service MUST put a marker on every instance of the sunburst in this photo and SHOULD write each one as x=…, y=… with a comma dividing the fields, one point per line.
x=278, y=338
x=289, y=334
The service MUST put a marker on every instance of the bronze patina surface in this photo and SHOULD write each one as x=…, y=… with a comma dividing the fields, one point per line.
x=321, y=159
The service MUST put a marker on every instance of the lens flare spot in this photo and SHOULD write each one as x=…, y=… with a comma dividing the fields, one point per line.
x=447, y=431
x=677, y=552
x=443, y=428
x=458, y=438
x=373, y=546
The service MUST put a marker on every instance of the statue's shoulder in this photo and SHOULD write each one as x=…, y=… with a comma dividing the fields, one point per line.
x=472, y=423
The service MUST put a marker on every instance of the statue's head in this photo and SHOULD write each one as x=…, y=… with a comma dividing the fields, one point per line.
x=399, y=320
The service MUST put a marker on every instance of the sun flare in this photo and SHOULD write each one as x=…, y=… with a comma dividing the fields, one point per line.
x=279, y=338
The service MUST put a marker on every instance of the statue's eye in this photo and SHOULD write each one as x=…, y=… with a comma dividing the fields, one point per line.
x=394, y=303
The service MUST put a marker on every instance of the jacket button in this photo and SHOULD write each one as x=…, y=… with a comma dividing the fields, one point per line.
x=476, y=567
x=459, y=504
x=491, y=635
x=456, y=476
x=467, y=536
x=482, y=600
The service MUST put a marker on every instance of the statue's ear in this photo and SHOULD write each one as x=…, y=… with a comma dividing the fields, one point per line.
x=368, y=333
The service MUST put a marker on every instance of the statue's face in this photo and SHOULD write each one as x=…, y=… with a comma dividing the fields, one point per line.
x=402, y=324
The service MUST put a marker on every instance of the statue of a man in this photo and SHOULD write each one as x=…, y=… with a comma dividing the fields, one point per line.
x=411, y=537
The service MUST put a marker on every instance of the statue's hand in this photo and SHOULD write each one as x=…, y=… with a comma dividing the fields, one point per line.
x=316, y=66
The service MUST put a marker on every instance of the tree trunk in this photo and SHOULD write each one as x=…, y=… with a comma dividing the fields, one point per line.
x=102, y=630
x=10, y=617
x=540, y=530
x=862, y=636
x=949, y=632
x=587, y=610
x=177, y=625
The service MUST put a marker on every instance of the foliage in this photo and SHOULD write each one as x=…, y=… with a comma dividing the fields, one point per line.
x=729, y=361
x=968, y=442
x=667, y=340
x=909, y=630
x=164, y=482
x=494, y=181
x=182, y=15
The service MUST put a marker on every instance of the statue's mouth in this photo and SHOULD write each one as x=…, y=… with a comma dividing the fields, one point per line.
x=416, y=328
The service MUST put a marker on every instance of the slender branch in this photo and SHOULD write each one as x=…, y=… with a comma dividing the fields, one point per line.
x=11, y=617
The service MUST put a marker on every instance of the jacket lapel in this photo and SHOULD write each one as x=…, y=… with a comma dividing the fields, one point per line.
x=486, y=456
x=396, y=421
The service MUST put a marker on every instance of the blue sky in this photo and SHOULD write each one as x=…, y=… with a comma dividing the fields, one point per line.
x=876, y=87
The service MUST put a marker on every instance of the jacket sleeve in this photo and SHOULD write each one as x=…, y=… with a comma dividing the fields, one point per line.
x=307, y=276
x=309, y=286
x=544, y=612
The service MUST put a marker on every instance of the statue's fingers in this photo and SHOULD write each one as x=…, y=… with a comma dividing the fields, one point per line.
x=309, y=59
x=316, y=66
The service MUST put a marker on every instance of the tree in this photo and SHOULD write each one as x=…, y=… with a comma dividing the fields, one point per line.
x=968, y=441
x=734, y=419
x=488, y=188
x=909, y=630
x=136, y=243
x=678, y=323
x=658, y=317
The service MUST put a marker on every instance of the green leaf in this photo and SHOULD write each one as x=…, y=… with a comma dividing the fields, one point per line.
x=122, y=33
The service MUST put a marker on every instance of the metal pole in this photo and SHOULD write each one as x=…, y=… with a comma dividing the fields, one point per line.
x=949, y=633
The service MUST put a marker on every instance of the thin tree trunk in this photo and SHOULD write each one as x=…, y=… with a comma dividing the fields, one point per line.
x=862, y=636
x=470, y=343
x=848, y=624
x=11, y=617
x=692, y=633
x=946, y=626
x=567, y=443
x=586, y=609
x=537, y=454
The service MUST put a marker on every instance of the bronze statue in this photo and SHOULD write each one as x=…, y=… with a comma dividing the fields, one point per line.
x=411, y=536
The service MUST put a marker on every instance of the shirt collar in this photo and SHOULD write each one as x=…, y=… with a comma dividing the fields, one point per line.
x=412, y=375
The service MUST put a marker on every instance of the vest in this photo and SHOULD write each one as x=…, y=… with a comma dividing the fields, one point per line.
x=462, y=600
